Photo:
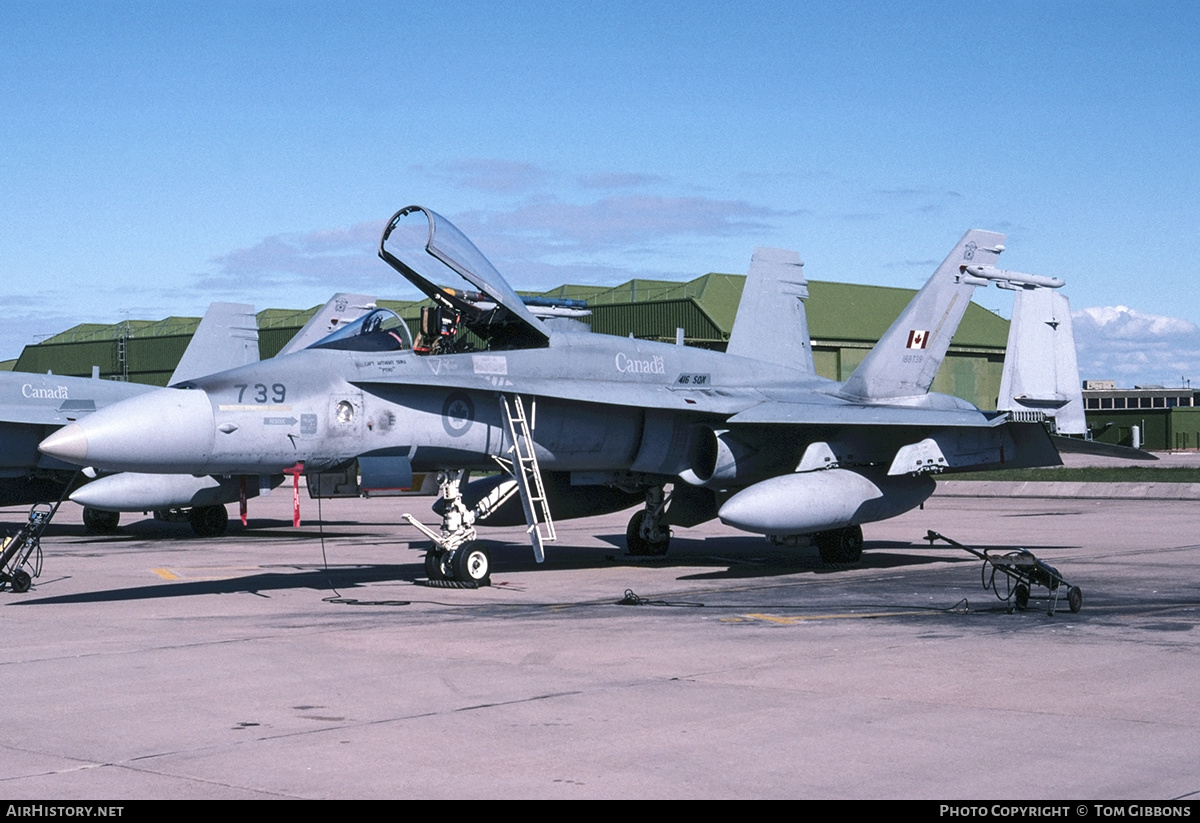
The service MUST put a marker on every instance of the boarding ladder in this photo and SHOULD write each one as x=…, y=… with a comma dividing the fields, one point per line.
x=524, y=469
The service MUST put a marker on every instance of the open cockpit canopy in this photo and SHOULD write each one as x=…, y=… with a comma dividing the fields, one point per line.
x=429, y=251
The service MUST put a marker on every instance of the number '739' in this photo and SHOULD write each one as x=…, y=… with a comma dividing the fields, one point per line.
x=260, y=393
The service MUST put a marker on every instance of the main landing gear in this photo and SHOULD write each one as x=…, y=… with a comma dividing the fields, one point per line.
x=208, y=521
x=840, y=546
x=646, y=536
x=96, y=521
x=837, y=547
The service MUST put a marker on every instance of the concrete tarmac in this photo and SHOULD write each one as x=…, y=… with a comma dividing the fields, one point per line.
x=310, y=663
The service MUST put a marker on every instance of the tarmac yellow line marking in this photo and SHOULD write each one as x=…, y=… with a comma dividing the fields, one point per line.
x=206, y=573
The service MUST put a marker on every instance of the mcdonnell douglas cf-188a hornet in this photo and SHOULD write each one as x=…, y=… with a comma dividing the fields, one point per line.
x=34, y=405
x=202, y=498
x=582, y=423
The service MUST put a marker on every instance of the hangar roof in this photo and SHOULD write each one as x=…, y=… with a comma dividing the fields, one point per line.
x=838, y=314
x=836, y=311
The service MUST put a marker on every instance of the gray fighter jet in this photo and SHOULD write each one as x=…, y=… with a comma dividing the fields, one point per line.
x=34, y=405
x=577, y=423
x=227, y=333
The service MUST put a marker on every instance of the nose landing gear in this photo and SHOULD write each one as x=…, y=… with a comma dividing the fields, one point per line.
x=454, y=559
x=467, y=566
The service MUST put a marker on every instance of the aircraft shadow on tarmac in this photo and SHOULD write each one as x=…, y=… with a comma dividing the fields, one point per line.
x=150, y=529
x=743, y=557
x=752, y=557
x=339, y=577
x=736, y=558
x=344, y=577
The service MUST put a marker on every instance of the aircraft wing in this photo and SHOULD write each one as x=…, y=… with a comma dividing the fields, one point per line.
x=741, y=405
x=51, y=400
x=864, y=415
x=33, y=416
x=721, y=402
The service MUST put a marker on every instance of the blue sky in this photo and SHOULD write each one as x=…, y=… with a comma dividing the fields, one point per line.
x=158, y=156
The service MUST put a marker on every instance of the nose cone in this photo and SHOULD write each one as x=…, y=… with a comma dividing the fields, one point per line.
x=68, y=444
x=170, y=431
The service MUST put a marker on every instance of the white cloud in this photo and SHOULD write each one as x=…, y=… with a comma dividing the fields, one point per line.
x=1127, y=323
x=342, y=258
x=1134, y=347
x=539, y=244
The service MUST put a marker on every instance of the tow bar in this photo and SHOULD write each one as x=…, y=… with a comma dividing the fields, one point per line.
x=1022, y=570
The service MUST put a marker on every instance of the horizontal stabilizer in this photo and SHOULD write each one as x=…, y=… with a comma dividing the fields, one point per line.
x=1077, y=445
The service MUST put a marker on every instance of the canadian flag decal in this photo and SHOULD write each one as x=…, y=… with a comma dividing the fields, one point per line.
x=917, y=339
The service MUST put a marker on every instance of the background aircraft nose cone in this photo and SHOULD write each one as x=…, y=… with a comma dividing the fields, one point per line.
x=68, y=444
x=170, y=430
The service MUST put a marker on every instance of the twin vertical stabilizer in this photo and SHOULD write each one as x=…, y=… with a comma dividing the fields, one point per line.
x=226, y=338
x=341, y=310
x=771, y=324
x=1041, y=373
x=907, y=357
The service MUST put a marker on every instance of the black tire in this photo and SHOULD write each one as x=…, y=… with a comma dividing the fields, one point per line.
x=208, y=521
x=96, y=521
x=1075, y=599
x=435, y=565
x=829, y=547
x=472, y=564
x=633, y=535
x=20, y=581
x=1021, y=597
x=637, y=544
x=852, y=544
x=840, y=546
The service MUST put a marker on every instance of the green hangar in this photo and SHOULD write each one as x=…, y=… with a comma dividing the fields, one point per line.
x=845, y=321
